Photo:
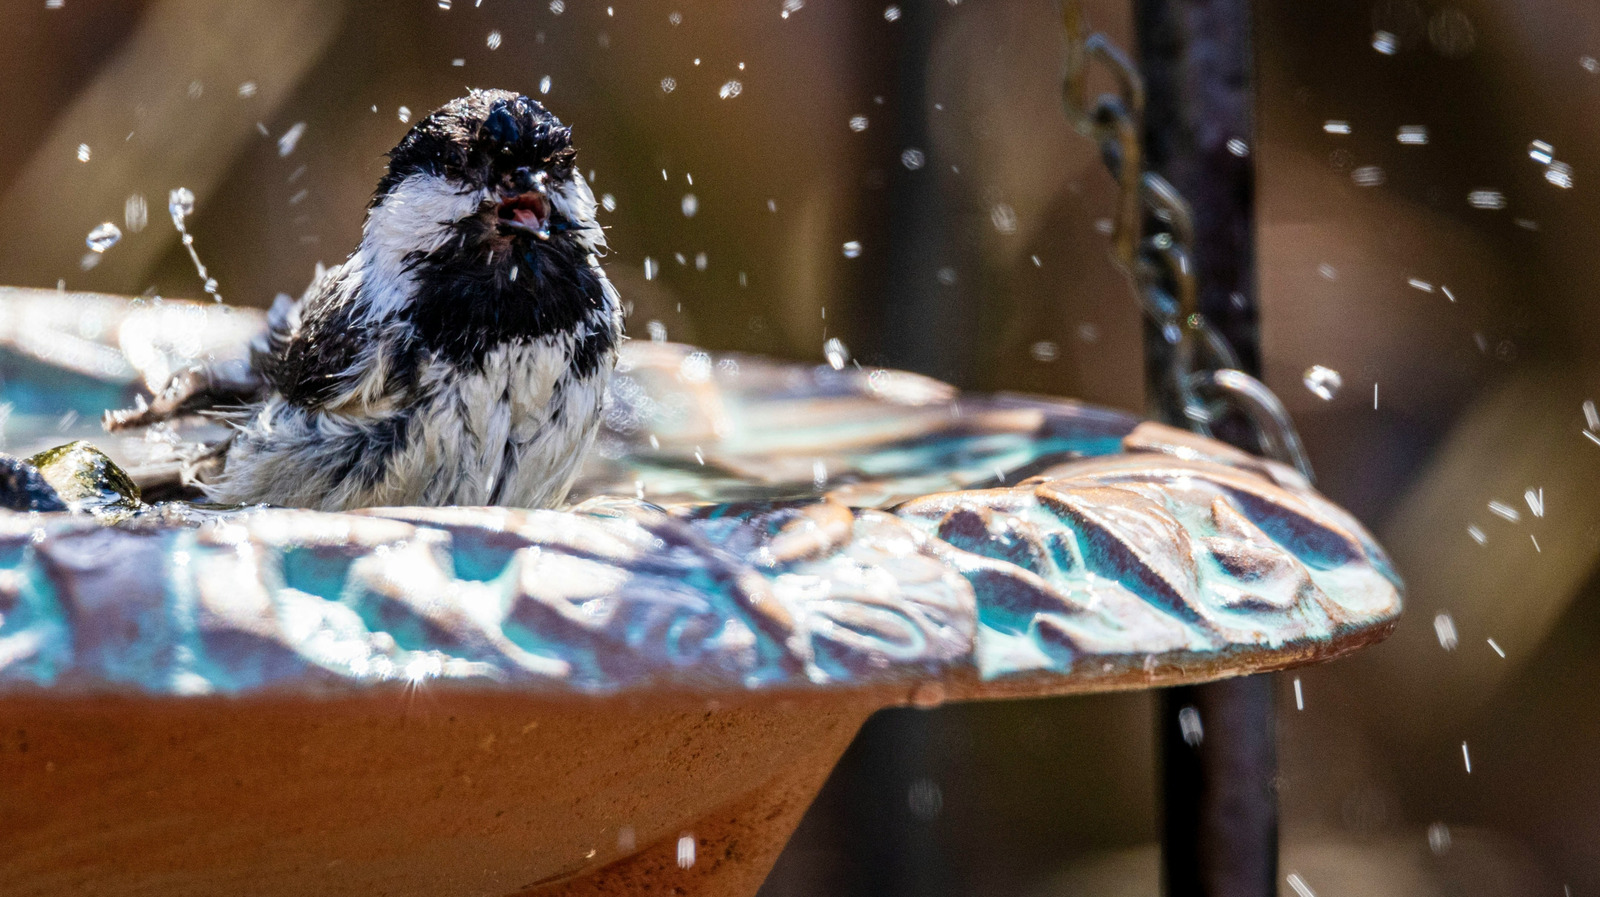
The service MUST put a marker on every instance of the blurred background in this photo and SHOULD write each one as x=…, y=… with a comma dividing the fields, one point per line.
x=901, y=177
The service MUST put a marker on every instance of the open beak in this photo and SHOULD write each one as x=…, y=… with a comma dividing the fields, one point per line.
x=528, y=212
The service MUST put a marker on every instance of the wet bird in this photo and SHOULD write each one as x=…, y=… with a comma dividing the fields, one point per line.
x=459, y=356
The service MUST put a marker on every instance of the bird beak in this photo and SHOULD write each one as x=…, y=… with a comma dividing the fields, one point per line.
x=527, y=212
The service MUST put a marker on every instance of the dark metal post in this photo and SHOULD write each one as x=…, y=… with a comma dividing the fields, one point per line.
x=1220, y=815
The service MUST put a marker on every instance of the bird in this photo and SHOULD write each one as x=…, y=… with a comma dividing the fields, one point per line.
x=459, y=356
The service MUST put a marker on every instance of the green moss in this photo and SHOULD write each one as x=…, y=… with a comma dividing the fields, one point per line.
x=88, y=480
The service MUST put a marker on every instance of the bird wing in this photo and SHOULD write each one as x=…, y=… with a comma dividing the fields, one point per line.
x=311, y=350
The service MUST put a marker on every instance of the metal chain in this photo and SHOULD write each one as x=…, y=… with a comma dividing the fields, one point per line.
x=1151, y=238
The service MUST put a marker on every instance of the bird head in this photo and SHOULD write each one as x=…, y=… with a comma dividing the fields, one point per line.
x=493, y=169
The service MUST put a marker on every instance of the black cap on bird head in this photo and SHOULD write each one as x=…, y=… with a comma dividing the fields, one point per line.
x=488, y=139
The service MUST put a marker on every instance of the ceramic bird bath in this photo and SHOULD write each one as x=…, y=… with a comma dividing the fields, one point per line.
x=638, y=694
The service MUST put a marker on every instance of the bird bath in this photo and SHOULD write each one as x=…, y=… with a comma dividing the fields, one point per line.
x=640, y=693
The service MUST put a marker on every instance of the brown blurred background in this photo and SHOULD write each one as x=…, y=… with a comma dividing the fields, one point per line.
x=930, y=133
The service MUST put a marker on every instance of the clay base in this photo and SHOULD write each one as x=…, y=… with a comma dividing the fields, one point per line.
x=406, y=795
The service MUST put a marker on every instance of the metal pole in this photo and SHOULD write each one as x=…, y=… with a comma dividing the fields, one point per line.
x=1217, y=741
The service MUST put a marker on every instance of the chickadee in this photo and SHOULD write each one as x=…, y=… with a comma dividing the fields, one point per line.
x=460, y=356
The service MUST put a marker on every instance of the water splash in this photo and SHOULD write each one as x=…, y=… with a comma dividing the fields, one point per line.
x=1324, y=382
x=104, y=236
x=834, y=350
x=180, y=205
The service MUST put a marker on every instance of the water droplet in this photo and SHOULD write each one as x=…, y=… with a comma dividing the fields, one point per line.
x=858, y=123
x=444, y=4
x=1327, y=271
x=685, y=851
x=1323, y=382
x=544, y=84
x=1332, y=126
x=690, y=204
x=104, y=237
x=1367, y=176
x=405, y=114
x=668, y=85
x=608, y=202
x=657, y=331
x=180, y=205
x=247, y=90
x=1190, y=727
x=494, y=40
x=946, y=276
x=925, y=799
x=1444, y=627
x=1541, y=152
x=557, y=7
x=852, y=249
x=291, y=138
x=83, y=152
x=1044, y=351
x=135, y=213
x=892, y=14
x=1590, y=64
x=1004, y=218
x=651, y=268
x=1439, y=838
x=1412, y=135
x=695, y=367
x=700, y=261
x=1385, y=42
x=836, y=353
x=1559, y=174
x=1238, y=147
x=676, y=18
x=791, y=7
x=730, y=90
x=913, y=159
x=1486, y=199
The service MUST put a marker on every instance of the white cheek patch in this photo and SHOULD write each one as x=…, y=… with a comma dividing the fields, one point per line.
x=574, y=201
x=415, y=217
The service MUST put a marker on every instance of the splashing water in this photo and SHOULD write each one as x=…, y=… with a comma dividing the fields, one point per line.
x=1444, y=627
x=135, y=213
x=836, y=353
x=1324, y=382
x=104, y=236
x=1486, y=199
x=1004, y=218
x=291, y=138
x=180, y=205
